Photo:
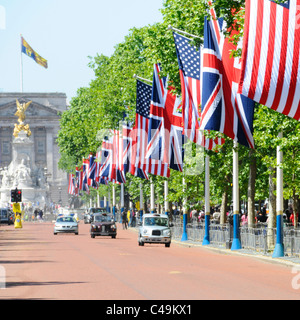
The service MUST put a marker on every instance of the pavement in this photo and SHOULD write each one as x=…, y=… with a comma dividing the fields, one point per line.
x=286, y=260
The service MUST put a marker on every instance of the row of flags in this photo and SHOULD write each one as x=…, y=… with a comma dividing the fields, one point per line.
x=225, y=87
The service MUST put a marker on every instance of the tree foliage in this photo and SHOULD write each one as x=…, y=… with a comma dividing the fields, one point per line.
x=112, y=92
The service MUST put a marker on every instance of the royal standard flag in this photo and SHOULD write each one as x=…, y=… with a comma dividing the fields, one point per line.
x=32, y=54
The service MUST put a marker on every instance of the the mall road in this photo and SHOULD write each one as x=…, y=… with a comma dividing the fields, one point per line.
x=38, y=265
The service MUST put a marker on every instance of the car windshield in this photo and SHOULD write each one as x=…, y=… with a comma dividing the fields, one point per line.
x=102, y=218
x=97, y=210
x=65, y=219
x=161, y=222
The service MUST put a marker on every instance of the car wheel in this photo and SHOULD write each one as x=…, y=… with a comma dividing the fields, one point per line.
x=114, y=237
x=167, y=245
x=92, y=236
x=76, y=233
x=55, y=233
x=141, y=243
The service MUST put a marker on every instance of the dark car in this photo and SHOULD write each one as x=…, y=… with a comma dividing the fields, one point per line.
x=6, y=216
x=103, y=225
x=88, y=217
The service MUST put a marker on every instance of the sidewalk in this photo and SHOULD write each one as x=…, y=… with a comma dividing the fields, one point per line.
x=288, y=261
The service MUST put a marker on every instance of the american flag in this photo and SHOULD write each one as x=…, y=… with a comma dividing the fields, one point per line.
x=111, y=168
x=140, y=165
x=85, y=172
x=71, y=188
x=223, y=109
x=165, y=140
x=189, y=61
x=271, y=55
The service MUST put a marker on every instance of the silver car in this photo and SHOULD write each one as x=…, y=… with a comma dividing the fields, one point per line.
x=155, y=228
x=66, y=224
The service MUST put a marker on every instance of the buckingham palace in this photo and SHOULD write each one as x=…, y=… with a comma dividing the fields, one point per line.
x=43, y=118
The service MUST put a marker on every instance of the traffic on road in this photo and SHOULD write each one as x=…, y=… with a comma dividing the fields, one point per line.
x=39, y=265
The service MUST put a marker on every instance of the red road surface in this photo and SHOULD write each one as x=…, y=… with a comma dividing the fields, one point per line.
x=39, y=265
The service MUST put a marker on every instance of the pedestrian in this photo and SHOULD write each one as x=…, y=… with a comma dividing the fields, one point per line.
x=36, y=213
x=128, y=217
x=133, y=218
x=124, y=220
x=244, y=219
x=41, y=214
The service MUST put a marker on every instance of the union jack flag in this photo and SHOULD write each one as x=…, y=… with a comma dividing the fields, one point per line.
x=165, y=141
x=98, y=178
x=91, y=171
x=271, y=55
x=189, y=61
x=223, y=109
x=140, y=165
x=126, y=146
x=111, y=168
x=78, y=179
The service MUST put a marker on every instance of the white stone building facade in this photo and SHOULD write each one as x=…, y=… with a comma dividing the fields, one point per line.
x=43, y=116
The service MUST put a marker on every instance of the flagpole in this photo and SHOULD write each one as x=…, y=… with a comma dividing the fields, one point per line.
x=141, y=202
x=206, y=240
x=152, y=199
x=167, y=208
x=236, y=243
x=21, y=68
x=184, y=233
x=122, y=201
x=183, y=32
x=114, y=202
x=140, y=78
x=279, y=247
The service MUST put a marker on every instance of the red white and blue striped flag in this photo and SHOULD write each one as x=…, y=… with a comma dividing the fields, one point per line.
x=271, y=55
x=223, y=109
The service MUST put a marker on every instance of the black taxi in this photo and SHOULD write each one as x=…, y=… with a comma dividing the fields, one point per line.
x=103, y=224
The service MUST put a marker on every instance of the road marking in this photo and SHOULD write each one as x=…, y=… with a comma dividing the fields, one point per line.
x=175, y=272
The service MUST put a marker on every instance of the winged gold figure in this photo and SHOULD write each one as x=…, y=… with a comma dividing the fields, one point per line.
x=21, y=109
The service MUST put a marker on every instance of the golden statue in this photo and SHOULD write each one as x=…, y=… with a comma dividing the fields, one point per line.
x=21, y=109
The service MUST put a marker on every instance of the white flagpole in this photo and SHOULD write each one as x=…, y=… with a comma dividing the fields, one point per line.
x=167, y=207
x=152, y=198
x=21, y=68
x=236, y=244
x=279, y=247
x=183, y=32
x=206, y=240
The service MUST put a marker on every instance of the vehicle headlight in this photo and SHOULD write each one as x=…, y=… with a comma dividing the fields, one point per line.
x=167, y=233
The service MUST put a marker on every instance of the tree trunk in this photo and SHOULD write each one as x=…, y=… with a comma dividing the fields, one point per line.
x=224, y=206
x=251, y=189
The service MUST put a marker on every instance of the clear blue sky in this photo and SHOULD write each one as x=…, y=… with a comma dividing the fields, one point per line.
x=65, y=32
